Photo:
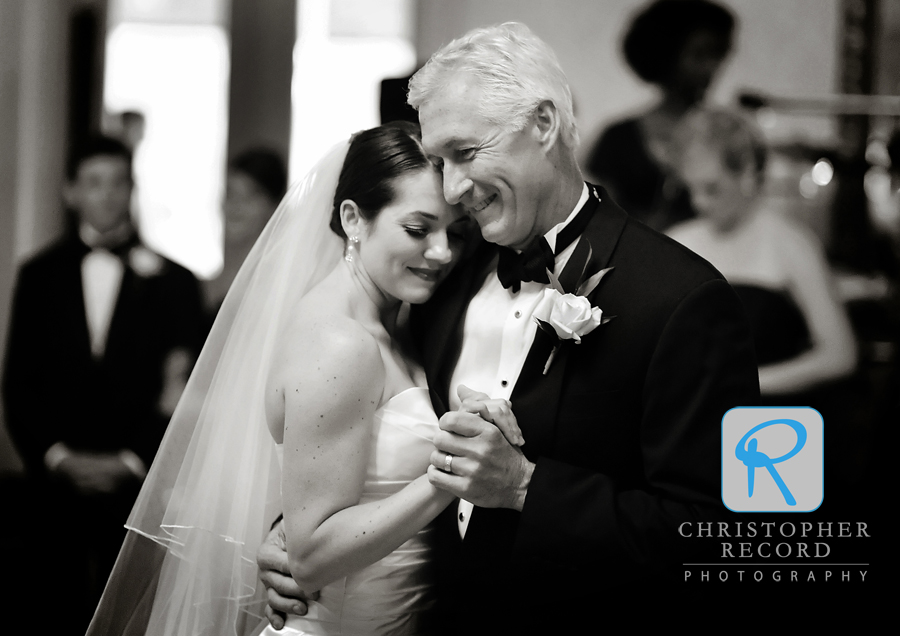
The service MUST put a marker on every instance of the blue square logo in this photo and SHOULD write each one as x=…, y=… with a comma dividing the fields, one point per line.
x=773, y=459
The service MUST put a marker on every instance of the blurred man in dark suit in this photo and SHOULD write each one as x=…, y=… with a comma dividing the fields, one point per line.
x=97, y=320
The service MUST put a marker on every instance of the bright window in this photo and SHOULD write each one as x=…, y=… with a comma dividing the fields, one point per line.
x=344, y=49
x=177, y=77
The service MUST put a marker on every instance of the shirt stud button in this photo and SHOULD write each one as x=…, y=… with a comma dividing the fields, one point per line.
x=503, y=383
x=462, y=517
x=518, y=314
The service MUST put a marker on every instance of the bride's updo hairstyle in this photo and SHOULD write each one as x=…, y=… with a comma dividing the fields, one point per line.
x=375, y=159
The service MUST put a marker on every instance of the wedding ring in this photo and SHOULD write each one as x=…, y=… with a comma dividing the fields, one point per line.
x=448, y=460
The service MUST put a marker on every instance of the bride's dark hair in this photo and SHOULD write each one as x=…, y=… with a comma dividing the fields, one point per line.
x=375, y=159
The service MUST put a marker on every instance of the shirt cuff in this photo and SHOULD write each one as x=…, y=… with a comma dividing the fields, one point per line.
x=134, y=463
x=55, y=456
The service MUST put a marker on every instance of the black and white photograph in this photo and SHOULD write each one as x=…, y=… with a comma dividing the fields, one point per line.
x=444, y=317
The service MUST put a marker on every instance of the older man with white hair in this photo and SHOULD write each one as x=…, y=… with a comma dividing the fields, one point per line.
x=616, y=350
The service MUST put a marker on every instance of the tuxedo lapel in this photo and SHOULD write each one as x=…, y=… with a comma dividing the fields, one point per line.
x=536, y=395
x=73, y=315
x=603, y=232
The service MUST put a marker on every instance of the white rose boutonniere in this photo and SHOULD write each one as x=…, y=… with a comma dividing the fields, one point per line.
x=144, y=262
x=569, y=316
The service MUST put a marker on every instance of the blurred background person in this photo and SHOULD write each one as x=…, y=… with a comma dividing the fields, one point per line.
x=128, y=126
x=255, y=185
x=678, y=46
x=804, y=340
x=883, y=192
x=134, y=125
x=96, y=319
x=806, y=347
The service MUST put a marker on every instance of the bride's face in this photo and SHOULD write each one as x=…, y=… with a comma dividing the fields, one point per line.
x=414, y=242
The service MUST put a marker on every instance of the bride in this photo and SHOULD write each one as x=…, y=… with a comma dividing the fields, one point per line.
x=309, y=366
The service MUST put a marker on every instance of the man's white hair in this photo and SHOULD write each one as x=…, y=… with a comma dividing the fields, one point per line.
x=515, y=68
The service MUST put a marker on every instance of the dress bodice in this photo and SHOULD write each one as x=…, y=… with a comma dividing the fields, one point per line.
x=389, y=596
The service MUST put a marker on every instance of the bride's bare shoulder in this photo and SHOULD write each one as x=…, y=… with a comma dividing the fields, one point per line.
x=320, y=339
x=324, y=359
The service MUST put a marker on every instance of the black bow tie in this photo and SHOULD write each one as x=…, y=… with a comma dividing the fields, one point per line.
x=532, y=263
x=120, y=247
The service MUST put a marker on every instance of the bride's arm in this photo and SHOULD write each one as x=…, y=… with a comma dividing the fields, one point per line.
x=330, y=398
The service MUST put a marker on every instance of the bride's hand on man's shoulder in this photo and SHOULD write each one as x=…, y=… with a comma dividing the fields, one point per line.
x=283, y=594
x=495, y=410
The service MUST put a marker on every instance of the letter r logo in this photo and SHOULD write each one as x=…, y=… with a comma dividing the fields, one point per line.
x=772, y=459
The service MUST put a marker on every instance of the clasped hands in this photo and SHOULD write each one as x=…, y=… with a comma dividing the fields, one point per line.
x=482, y=438
x=487, y=469
x=94, y=473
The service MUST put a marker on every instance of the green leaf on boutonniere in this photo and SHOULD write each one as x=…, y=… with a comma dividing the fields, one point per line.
x=554, y=282
x=591, y=283
x=587, y=262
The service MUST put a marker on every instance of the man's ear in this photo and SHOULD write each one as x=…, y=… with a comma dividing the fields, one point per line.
x=351, y=218
x=546, y=123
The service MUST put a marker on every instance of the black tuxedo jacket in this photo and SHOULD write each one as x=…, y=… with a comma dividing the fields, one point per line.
x=623, y=428
x=54, y=390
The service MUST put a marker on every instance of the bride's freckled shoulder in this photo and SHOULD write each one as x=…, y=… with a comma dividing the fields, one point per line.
x=321, y=357
x=327, y=349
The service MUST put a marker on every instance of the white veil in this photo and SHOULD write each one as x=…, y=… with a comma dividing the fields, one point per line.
x=188, y=564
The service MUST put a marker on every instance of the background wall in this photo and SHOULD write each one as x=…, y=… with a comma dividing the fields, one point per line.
x=262, y=46
x=34, y=100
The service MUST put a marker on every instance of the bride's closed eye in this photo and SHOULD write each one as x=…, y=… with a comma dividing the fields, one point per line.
x=416, y=231
x=457, y=232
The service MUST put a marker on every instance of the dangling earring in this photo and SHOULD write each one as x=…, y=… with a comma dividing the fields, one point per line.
x=352, y=248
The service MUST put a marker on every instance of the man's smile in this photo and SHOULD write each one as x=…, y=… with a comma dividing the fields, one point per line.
x=481, y=206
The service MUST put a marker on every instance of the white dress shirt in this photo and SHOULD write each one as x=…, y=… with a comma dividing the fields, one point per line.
x=497, y=335
x=101, y=277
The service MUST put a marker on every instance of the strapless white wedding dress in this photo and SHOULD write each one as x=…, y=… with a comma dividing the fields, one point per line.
x=393, y=595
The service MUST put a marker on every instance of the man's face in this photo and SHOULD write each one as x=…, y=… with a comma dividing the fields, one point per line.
x=497, y=175
x=101, y=192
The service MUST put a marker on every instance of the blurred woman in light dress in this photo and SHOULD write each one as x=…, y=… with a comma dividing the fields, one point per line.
x=804, y=341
